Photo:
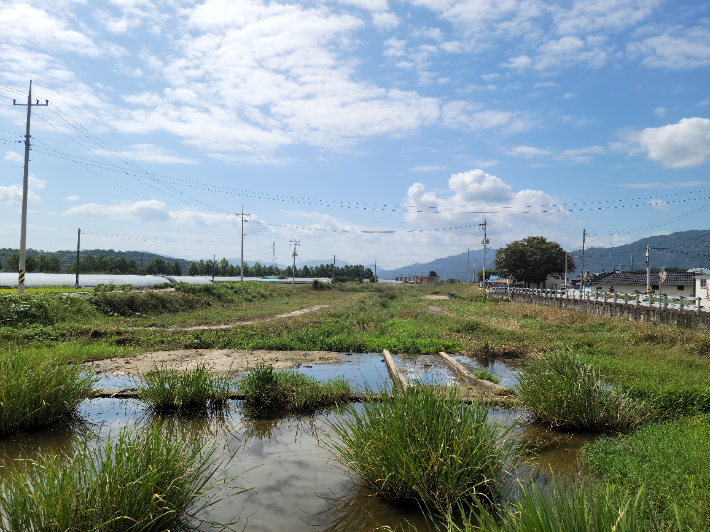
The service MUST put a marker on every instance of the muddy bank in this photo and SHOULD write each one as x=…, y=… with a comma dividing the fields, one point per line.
x=291, y=314
x=219, y=360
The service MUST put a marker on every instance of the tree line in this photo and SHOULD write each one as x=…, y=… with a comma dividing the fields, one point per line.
x=224, y=269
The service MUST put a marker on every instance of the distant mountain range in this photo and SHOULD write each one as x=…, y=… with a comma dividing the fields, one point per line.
x=684, y=249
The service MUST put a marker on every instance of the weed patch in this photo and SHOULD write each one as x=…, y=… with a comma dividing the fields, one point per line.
x=37, y=390
x=266, y=388
x=424, y=445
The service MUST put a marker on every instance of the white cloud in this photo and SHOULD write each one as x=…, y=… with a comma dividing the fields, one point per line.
x=394, y=48
x=659, y=204
x=15, y=157
x=11, y=196
x=475, y=193
x=460, y=114
x=568, y=95
x=545, y=84
x=369, y=5
x=682, y=145
x=581, y=155
x=676, y=48
x=570, y=50
x=148, y=153
x=443, y=81
x=489, y=77
x=73, y=198
x=426, y=168
x=660, y=111
x=385, y=21
x=486, y=164
x=144, y=211
x=527, y=151
x=520, y=62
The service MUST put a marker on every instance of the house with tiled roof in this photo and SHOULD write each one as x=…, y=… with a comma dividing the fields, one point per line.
x=674, y=285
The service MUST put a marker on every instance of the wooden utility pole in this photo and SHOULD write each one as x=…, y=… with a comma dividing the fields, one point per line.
x=241, y=263
x=25, y=179
x=375, y=271
x=333, y=269
x=78, y=242
x=485, y=245
x=468, y=267
x=581, y=283
x=648, y=269
x=565, y=272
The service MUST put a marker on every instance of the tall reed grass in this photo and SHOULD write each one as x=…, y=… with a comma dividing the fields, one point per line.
x=423, y=444
x=37, y=390
x=165, y=389
x=141, y=482
x=265, y=387
x=566, y=392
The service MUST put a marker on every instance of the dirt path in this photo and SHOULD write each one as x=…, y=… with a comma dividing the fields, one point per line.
x=269, y=318
x=436, y=310
x=218, y=360
x=435, y=297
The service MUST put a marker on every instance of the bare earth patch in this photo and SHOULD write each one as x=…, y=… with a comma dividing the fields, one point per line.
x=269, y=318
x=436, y=310
x=218, y=360
x=435, y=297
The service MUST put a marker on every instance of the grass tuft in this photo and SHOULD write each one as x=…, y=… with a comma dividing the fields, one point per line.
x=486, y=375
x=147, y=481
x=565, y=392
x=267, y=388
x=423, y=444
x=166, y=389
x=37, y=390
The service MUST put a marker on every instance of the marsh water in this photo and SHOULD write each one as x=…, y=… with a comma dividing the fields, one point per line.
x=283, y=460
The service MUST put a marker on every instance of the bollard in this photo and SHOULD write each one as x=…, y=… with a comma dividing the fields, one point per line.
x=638, y=299
x=681, y=302
x=698, y=307
x=665, y=301
x=614, y=302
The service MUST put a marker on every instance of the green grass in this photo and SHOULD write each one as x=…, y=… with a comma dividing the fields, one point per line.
x=163, y=389
x=670, y=460
x=579, y=508
x=37, y=390
x=152, y=480
x=267, y=388
x=424, y=445
x=566, y=392
x=486, y=375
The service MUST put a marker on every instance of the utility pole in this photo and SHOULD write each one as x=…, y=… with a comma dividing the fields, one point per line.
x=468, y=267
x=474, y=270
x=632, y=262
x=375, y=271
x=78, y=241
x=485, y=245
x=565, y=272
x=295, y=244
x=214, y=260
x=141, y=261
x=241, y=262
x=333, y=269
x=581, y=284
x=648, y=270
x=23, y=229
x=273, y=256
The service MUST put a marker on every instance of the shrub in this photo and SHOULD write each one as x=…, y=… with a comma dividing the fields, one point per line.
x=567, y=393
x=264, y=387
x=132, y=303
x=36, y=390
x=423, y=444
x=42, y=309
x=171, y=389
x=486, y=375
x=147, y=481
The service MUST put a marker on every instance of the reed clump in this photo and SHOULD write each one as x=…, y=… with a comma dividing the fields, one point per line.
x=36, y=390
x=168, y=389
x=566, y=392
x=423, y=444
x=151, y=480
x=267, y=388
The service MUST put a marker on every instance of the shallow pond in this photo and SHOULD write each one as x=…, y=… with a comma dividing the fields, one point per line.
x=293, y=482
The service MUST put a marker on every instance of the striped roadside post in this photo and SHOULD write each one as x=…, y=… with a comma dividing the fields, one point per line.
x=21, y=282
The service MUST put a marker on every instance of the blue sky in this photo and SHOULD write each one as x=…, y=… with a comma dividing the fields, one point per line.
x=165, y=117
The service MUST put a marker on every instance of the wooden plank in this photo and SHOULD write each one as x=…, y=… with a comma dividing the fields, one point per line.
x=470, y=378
x=398, y=380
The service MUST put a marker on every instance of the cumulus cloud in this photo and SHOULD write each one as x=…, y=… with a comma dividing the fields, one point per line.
x=520, y=62
x=73, y=198
x=581, y=155
x=461, y=114
x=14, y=156
x=682, y=145
x=475, y=193
x=385, y=21
x=11, y=196
x=369, y=5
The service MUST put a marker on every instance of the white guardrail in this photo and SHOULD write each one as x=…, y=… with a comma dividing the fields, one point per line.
x=697, y=304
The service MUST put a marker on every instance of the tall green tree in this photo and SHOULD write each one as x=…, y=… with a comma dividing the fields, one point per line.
x=532, y=259
x=177, y=269
x=193, y=269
